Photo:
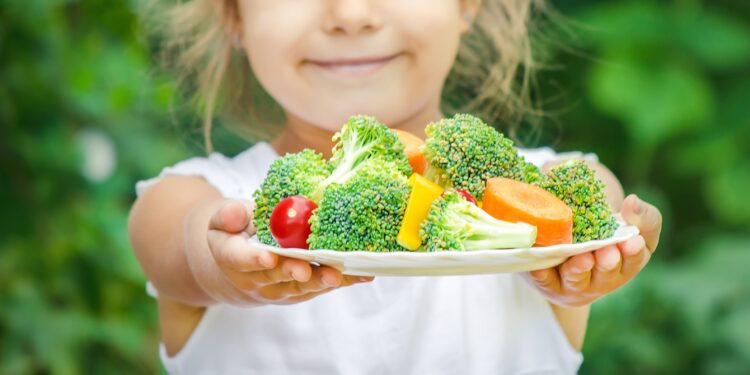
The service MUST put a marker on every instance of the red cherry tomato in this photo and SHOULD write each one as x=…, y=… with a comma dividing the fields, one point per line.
x=466, y=195
x=289, y=221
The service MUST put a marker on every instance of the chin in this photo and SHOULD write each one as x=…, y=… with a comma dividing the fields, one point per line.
x=333, y=119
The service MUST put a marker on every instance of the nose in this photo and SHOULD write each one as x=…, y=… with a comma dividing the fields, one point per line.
x=351, y=17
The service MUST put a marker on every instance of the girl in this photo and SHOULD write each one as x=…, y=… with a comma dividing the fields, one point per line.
x=226, y=307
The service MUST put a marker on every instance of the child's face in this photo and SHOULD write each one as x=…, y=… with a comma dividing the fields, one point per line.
x=324, y=60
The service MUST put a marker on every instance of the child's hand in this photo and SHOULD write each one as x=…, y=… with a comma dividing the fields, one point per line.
x=235, y=272
x=585, y=277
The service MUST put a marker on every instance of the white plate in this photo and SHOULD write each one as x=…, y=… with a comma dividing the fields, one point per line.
x=442, y=263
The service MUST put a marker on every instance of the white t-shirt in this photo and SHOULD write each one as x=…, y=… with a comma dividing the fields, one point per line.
x=486, y=324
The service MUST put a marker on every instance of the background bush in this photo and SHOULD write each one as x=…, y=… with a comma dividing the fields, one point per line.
x=660, y=90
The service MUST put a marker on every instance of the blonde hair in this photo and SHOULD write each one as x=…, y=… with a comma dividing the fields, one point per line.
x=491, y=77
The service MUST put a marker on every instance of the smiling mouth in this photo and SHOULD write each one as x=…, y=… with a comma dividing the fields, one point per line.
x=353, y=65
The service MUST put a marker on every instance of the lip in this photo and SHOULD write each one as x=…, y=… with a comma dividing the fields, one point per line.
x=353, y=65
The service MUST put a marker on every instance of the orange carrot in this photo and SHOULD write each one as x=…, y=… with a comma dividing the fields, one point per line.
x=413, y=150
x=515, y=201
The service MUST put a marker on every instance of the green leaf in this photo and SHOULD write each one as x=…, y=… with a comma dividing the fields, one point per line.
x=728, y=193
x=705, y=154
x=623, y=24
x=734, y=328
x=716, y=40
x=654, y=100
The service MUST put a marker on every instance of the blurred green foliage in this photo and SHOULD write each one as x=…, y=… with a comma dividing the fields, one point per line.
x=660, y=90
x=75, y=92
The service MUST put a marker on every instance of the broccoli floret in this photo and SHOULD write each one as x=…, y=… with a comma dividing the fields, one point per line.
x=362, y=138
x=532, y=174
x=456, y=224
x=292, y=174
x=364, y=213
x=463, y=152
x=576, y=184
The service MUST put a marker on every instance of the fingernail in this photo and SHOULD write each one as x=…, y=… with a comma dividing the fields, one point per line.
x=325, y=282
x=634, y=245
x=364, y=279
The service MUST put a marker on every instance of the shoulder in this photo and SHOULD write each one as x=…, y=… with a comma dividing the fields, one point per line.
x=233, y=177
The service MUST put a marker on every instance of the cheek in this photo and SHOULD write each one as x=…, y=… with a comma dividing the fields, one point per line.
x=434, y=37
x=434, y=33
x=270, y=48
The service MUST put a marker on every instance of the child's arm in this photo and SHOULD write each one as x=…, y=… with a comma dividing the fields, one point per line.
x=192, y=245
x=572, y=286
x=157, y=233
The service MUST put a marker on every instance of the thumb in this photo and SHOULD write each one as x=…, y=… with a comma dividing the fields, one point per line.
x=233, y=216
x=644, y=216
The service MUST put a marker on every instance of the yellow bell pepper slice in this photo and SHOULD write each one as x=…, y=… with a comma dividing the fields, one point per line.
x=423, y=192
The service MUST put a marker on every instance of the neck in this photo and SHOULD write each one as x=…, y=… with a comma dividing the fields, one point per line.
x=299, y=134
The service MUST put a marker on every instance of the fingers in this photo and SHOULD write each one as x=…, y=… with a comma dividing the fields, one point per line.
x=249, y=268
x=233, y=217
x=635, y=256
x=547, y=278
x=646, y=217
x=607, y=266
x=348, y=280
x=288, y=270
x=322, y=279
x=586, y=277
x=575, y=273
x=233, y=251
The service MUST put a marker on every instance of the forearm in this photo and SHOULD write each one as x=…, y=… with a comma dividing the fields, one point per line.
x=573, y=321
x=171, y=215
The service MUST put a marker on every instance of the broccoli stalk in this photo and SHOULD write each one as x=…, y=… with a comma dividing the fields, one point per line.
x=455, y=224
x=463, y=152
x=362, y=138
x=576, y=184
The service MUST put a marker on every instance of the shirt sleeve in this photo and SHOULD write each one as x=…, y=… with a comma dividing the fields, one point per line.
x=544, y=155
x=235, y=177
x=215, y=169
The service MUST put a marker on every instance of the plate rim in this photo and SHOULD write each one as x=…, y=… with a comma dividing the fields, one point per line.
x=630, y=231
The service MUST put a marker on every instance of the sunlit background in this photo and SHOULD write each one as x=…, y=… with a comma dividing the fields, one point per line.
x=660, y=90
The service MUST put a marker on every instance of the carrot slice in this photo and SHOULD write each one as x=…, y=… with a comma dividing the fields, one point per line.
x=413, y=150
x=517, y=201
